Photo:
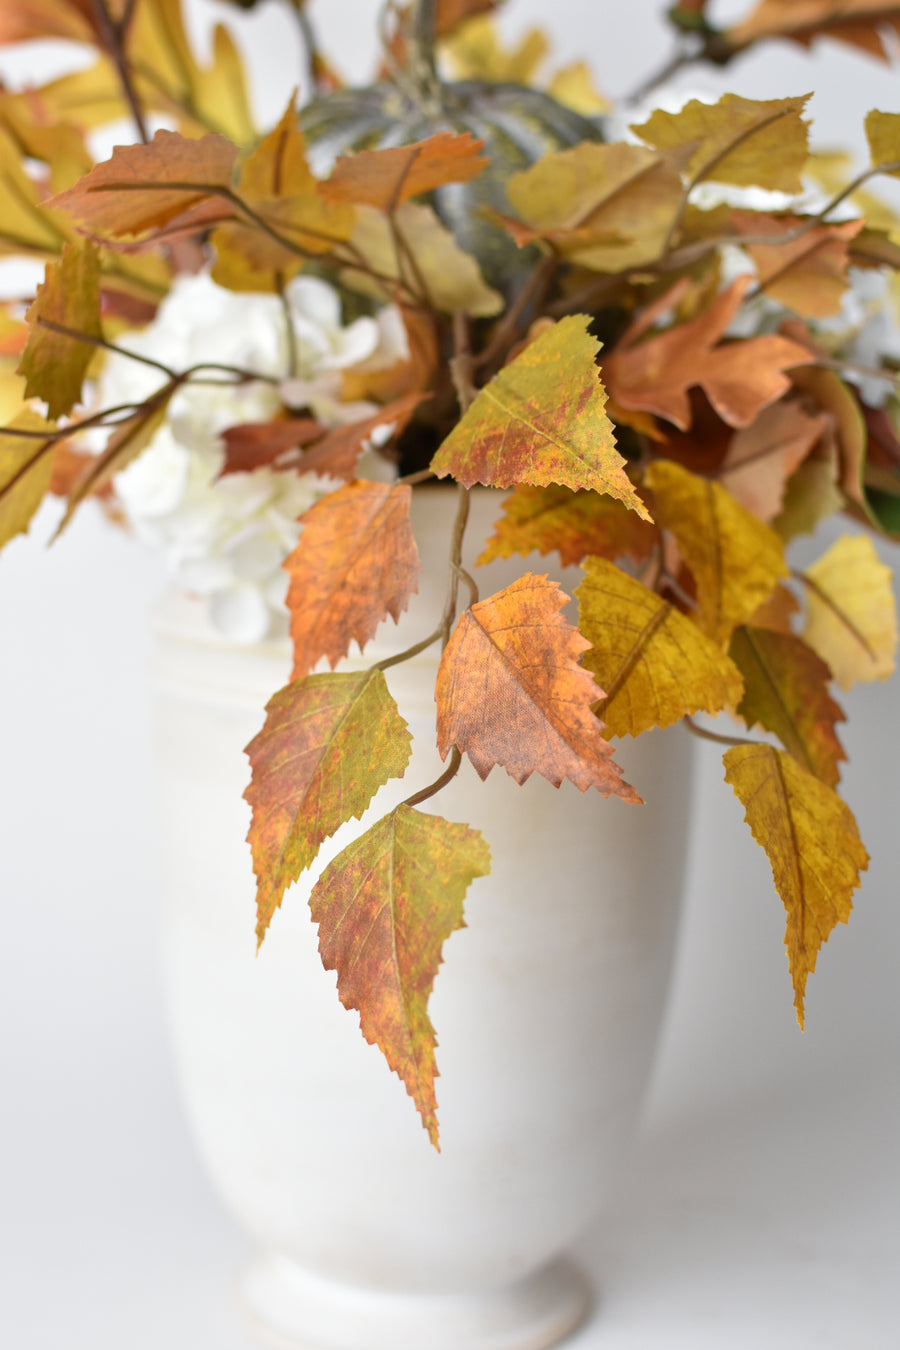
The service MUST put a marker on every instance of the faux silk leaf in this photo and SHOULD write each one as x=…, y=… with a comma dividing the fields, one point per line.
x=786, y=692
x=510, y=691
x=26, y=466
x=55, y=363
x=355, y=564
x=654, y=664
x=807, y=274
x=762, y=457
x=338, y=453
x=883, y=134
x=386, y=178
x=26, y=20
x=25, y=225
x=735, y=559
x=739, y=378
x=851, y=616
x=385, y=907
x=860, y=23
x=813, y=847
x=748, y=142
x=328, y=744
x=576, y=525
x=542, y=420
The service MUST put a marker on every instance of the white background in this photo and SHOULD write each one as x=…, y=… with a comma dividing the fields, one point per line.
x=759, y=1206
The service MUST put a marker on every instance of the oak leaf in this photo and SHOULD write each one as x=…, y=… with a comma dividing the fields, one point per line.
x=26, y=467
x=735, y=559
x=576, y=525
x=786, y=692
x=355, y=564
x=762, y=457
x=860, y=23
x=386, y=178
x=813, y=847
x=328, y=743
x=542, y=420
x=739, y=378
x=510, y=691
x=748, y=142
x=851, y=616
x=654, y=664
x=55, y=362
x=385, y=907
x=807, y=274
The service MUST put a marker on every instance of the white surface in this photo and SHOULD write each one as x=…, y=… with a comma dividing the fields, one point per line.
x=760, y=1205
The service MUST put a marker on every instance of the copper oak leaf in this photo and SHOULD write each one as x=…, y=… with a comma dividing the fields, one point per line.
x=786, y=691
x=356, y=562
x=510, y=691
x=736, y=560
x=56, y=360
x=328, y=744
x=812, y=843
x=654, y=664
x=385, y=907
x=576, y=525
x=542, y=420
x=851, y=616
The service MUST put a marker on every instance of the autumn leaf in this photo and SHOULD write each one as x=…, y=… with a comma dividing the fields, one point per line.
x=55, y=143
x=27, y=20
x=860, y=23
x=26, y=466
x=328, y=744
x=386, y=178
x=355, y=564
x=452, y=13
x=542, y=420
x=786, y=692
x=573, y=86
x=25, y=224
x=735, y=559
x=851, y=617
x=738, y=140
x=575, y=525
x=883, y=134
x=654, y=664
x=476, y=52
x=54, y=361
x=813, y=847
x=252, y=445
x=385, y=907
x=739, y=378
x=337, y=454
x=807, y=274
x=510, y=691
x=762, y=457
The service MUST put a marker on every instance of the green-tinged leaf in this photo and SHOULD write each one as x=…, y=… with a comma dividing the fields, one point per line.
x=653, y=663
x=328, y=744
x=26, y=465
x=851, y=615
x=735, y=559
x=542, y=420
x=786, y=692
x=576, y=525
x=385, y=907
x=748, y=142
x=812, y=843
x=55, y=362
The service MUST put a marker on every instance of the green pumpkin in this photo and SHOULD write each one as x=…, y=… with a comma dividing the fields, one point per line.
x=518, y=126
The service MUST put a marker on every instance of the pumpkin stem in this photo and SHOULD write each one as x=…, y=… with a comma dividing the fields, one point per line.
x=420, y=44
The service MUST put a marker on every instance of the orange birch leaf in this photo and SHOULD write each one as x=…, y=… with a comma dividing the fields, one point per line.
x=144, y=188
x=337, y=454
x=786, y=692
x=328, y=744
x=385, y=907
x=762, y=457
x=860, y=23
x=355, y=564
x=26, y=468
x=739, y=377
x=542, y=420
x=654, y=664
x=807, y=274
x=735, y=559
x=54, y=363
x=576, y=525
x=385, y=178
x=812, y=843
x=510, y=691
x=851, y=615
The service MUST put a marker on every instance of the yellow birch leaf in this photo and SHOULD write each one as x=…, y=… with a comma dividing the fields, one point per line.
x=25, y=225
x=55, y=363
x=576, y=525
x=851, y=616
x=735, y=559
x=573, y=86
x=748, y=142
x=476, y=52
x=812, y=843
x=654, y=664
x=542, y=420
x=883, y=135
x=26, y=466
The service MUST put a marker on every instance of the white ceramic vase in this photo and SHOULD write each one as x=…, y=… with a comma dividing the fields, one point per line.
x=547, y=1010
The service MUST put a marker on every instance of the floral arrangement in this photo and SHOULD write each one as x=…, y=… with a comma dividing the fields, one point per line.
x=664, y=341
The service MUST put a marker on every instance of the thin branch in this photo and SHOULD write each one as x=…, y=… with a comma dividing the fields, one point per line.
x=446, y=777
x=716, y=736
x=112, y=35
x=410, y=652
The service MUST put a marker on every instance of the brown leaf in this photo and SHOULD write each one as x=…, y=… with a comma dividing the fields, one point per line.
x=576, y=525
x=807, y=274
x=510, y=691
x=762, y=457
x=337, y=454
x=385, y=178
x=860, y=23
x=355, y=564
x=251, y=445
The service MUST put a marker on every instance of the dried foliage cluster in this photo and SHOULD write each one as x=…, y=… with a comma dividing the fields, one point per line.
x=577, y=336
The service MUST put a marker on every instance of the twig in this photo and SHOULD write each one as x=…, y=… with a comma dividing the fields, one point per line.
x=716, y=736
x=446, y=777
x=112, y=35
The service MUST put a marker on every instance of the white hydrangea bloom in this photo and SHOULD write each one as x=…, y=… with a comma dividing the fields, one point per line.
x=226, y=538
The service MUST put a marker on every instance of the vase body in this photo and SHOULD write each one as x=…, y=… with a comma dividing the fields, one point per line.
x=546, y=1008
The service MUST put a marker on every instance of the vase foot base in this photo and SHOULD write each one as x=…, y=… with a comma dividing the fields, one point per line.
x=290, y=1308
